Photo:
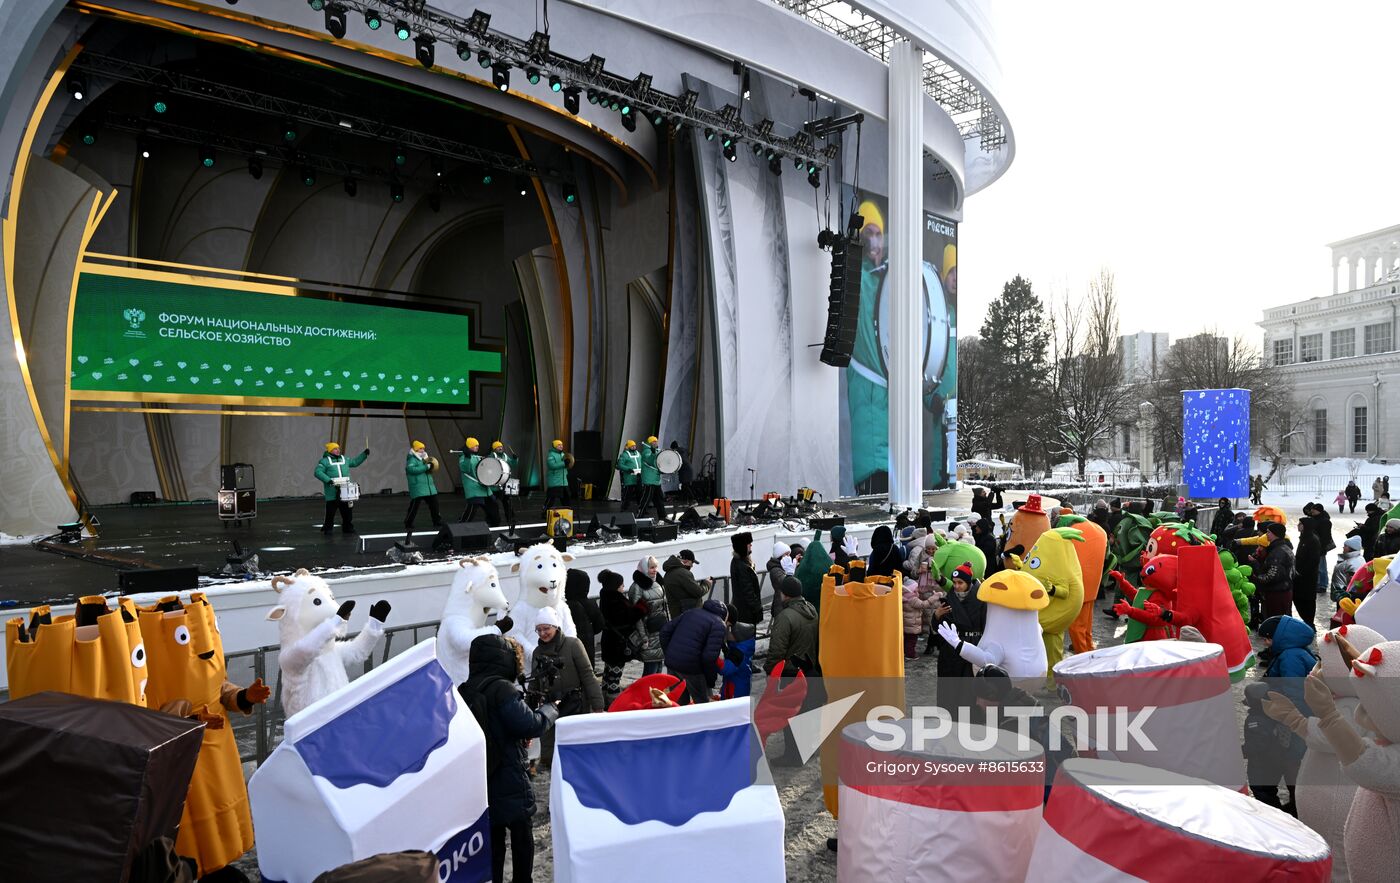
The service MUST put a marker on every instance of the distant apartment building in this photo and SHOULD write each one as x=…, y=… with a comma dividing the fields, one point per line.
x=1143, y=354
x=1341, y=353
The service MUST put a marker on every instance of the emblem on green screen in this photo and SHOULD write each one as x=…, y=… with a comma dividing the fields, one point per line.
x=134, y=318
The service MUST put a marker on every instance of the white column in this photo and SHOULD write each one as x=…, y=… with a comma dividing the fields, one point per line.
x=904, y=247
x=1351, y=271
x=1336, y=281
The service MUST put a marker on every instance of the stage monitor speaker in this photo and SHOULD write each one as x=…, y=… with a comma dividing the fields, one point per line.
x=690, y=519
x=588, y=445
x=159, y=579
x=468, y=536
x=937, y=514
x=143, y=498
x=825, y=523
x=658, y=532
x=843, y=302
x=623, y=522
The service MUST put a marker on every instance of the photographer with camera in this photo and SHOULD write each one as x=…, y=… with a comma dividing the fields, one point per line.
x=562, y=673
x=497, y=662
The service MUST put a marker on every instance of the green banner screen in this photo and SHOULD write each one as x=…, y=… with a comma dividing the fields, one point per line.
x=154, y=337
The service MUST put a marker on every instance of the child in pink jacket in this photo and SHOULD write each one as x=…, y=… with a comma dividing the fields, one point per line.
x=914, y=608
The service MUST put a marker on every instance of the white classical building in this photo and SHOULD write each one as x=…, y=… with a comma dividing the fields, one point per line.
x=1341, y=353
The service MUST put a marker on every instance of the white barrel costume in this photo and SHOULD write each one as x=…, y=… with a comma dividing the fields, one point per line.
x=1108, y=821
x=949, y=822
x=664, y=794
x=1178, y=694
x=390, y=763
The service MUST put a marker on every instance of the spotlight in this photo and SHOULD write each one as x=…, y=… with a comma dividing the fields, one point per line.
x=372, y=19
x=335, y=20
x=400, y=156
x=592, y=96
x=255, y=168
x=658, y=118
x=308, y=176
x=483, y=59
x=486, y=179
x=570, y=193
x=728, y=141
x=464, y=51
x=772, y=154
x=709, y=134
x=797, y=163
x=89, y=136
x=401, y=29
x=533, y=75
x=775, y=165
x=423, y=47
x=289, y=131
x=352, y=187
x=161, y=103
x=206, y=156
x=814, y=178
x=626, y=108
x=520, y=184
x=77, y=86
x=730, y=153
x=396, y=191
x=745, y=88
x=594, y=65
x=811, y=167
x=144, y=147
x=316, y=5
x=629, y=122
x=555, y=84
x=478, y=24
x=571, y=100
x=616, y=103
x=757, y=149
x=500, y=76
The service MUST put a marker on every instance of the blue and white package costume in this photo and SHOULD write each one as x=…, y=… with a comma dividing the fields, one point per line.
x=391, y=762
x=672, y=785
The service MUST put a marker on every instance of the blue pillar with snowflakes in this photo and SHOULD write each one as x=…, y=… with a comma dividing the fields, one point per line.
x=1215, y=442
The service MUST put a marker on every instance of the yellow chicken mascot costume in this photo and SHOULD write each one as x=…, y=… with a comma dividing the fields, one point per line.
x=188, y=678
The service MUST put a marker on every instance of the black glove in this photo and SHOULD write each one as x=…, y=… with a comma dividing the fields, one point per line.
x=1166, y=615
x=379, y=610
x=366, y=452
x=344, y=611
x=505, y=624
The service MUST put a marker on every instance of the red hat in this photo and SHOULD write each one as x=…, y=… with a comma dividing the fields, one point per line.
x=1032, y=505
x=964, y=573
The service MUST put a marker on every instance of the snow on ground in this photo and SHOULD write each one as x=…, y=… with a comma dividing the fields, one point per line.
x=7, y=540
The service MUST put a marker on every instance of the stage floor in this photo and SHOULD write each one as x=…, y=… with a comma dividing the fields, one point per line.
x=285, y=534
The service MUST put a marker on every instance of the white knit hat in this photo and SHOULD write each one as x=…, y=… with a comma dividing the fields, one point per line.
x=549, y=616
x=781, y=548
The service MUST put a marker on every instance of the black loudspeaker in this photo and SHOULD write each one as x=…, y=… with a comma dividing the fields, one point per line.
x=623, y=522
x=594, y=472
x=470, y=536
x=658, y=532
x=159, y=579
x=843, y=301
x=690, y=520
x=143, y=498
x=825, y=523
x=236, y=477
x=588, y=445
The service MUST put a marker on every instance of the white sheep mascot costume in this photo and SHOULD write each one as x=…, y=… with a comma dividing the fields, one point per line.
x=474, y=604
x=542, y=570
x=309, y=627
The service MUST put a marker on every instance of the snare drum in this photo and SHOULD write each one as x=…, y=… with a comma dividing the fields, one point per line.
x=349, y=492
x=491, y=472
x=668, y=462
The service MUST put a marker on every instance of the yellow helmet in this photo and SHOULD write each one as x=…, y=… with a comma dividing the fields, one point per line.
x=950, y=258
x=496, y=445
x=473, y=443
x=331, y=446
x=418, y=446
x=651, y=439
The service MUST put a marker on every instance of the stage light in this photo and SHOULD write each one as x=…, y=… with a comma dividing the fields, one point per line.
x=89, y=136
x=730, y=153
x=615, y=103
x=255, y=168
x=77, y=86
x=814, y=178
x=745, y=89
x=500, y=76
x=435, y=163
x=658, y=118
x=757, y=149
x=709, y=134
x=483, y=59
x=316, y=5
x=161, y=103
x=775, y=165
x=424, y=47
x=594, y=65
x=520, y=184
x=592, y=96
x=629, y=122
x=308, y=176
x=626, y=107
x=478, y=24
x=352, y=187
x=289, y=131
x=464, y=51
x=396, y=191
x=727, y=142
x=400, y=156
x=335, y=20
x=144, y=147
x=571, y=100
x=400, y=29
x=206, y=156
x=555, y=84
x=570, y=193
x=486, y=179
x=811, y=167
x=372, y=19
x=533, y=75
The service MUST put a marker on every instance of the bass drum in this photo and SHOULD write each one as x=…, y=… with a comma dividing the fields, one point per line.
x=936, y=331
x=492, y=472
x=668, y=462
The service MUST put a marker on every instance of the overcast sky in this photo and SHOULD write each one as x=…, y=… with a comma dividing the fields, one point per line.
x=1206, y=152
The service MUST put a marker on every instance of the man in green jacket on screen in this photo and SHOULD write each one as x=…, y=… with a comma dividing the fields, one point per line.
x=419, y=468
x=556, y=476
x=334, y=471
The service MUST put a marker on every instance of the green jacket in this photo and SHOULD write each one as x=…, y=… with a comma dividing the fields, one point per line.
x=420, y=480
x=471, y=488
x=650, y=474
x=556, y=474
x=629, y=463
x=336, y=467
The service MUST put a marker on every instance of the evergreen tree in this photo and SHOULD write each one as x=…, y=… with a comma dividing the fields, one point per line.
x=1015, y=340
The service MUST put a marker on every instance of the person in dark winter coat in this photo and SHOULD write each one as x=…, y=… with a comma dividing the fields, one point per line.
x=694, y=642
x=620, y=619
x=962, y=608
x=884, y=557
x=1316, y=515
x=650, y=599
x=1222, y=519
x=793, y=636
x=507, y=722
x=683, y=591
x=1368, y=530
x=839, y=555
x=984, y=538
x=1306, y=555
x=1353, y=494
x=780, y=565
x=1287, y=642
x=563, y=674
x=743, y=581
x=587, y=620
x=1274, y=575
x=982, y=503
x=1388, y=542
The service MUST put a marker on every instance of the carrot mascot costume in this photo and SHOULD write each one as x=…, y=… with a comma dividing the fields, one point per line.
x=1091, y=554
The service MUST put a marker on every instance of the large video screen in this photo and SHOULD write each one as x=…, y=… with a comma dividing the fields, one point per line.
x=148, y=337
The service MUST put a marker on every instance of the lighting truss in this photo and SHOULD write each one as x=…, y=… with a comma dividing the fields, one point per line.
x=585, y=74
x=285, y=109
x=969, y=107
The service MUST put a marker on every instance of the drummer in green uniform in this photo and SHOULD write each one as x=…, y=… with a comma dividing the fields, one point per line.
x=498, y=494
x=333, y=471
x=652, y=496
x=629, y=466
x=556, y=477
x=477, y=494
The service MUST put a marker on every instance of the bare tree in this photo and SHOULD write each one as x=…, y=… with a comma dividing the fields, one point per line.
x=1088, y=395
x=976, y=400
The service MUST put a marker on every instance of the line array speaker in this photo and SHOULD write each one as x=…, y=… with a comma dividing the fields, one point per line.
x=843, y=302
